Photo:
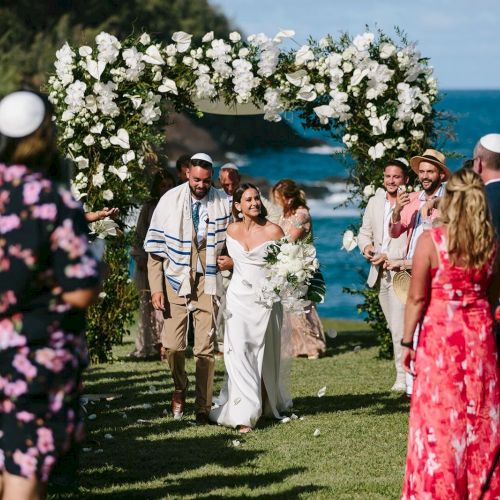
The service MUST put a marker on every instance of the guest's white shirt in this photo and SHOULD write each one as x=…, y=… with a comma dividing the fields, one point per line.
x=202, y=225
x=386, y=238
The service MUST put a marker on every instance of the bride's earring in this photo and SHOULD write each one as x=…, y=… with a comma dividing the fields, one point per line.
x=240, y=215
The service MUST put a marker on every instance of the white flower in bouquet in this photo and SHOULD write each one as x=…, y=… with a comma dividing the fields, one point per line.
x=349, y=241
x=103, y=228
x=107, y=194
x=379, y=124
x=282, y=35
x=290, y=267
x=298, y=78
x=108, y=47
x=145, y=39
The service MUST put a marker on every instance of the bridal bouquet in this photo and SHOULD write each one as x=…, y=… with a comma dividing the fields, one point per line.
x=291, y=270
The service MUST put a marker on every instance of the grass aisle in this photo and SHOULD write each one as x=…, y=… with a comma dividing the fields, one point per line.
x=359, y=453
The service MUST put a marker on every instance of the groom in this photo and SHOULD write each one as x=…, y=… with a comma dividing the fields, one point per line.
x=185, y=237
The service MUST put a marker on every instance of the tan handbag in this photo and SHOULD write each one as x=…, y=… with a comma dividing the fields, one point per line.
x=401, y=284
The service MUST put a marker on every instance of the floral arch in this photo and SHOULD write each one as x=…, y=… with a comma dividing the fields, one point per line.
x=374, y=94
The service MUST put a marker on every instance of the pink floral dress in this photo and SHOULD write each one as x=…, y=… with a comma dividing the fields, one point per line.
x=454, y=430
x=43, y=253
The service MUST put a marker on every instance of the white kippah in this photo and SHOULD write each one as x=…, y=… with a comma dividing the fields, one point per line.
x=202, y=156
x=404, y=161
x=21, y=113
x=229, y=166
x=491, y=142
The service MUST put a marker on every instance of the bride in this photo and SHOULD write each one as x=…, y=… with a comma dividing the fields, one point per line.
x=252, y=336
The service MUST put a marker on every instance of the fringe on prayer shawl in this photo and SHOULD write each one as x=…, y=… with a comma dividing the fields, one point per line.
x=171, y=232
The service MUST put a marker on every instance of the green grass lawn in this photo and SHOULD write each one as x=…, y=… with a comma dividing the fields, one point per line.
x=359, y=453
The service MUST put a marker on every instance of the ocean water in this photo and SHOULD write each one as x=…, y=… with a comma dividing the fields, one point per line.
x=477, y=113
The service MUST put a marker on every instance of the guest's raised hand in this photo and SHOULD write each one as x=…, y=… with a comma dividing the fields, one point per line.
x=402, y=199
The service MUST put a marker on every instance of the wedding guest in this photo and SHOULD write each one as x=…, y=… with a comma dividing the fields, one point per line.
x=414, y=212
x=230, y=179
x=487, y=165
x=252, y=356
x=185, y=237
x=454, y=429
x=48, y=277
x=378, y=247
x=182, y=167
x=307, y=334
x=147, y=342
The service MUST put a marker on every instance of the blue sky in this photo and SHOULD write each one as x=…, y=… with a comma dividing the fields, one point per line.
x=461, y=37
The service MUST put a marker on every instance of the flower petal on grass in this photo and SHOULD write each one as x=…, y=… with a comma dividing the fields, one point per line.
x=316, y=433
x=322, y=392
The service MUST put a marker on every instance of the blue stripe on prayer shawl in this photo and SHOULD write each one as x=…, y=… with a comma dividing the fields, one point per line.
x=224, y=218
x=177, y=239
x=221, y=230
x=156, y=230
x=154, y=241
x=178, y=251
x=210, y=234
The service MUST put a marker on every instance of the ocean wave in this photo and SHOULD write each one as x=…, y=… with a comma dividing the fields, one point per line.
x=240, y=159
x=325, y=208
x=324, y=149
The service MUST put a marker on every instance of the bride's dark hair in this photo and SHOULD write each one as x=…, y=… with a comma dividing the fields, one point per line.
x=237, y=199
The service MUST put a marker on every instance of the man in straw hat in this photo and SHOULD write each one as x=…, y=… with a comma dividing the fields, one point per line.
x=415, y=212
x=185, y=237
x=377, y=247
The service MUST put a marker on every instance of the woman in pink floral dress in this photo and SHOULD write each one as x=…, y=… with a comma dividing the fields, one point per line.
x=307, y=334
x=454, y=434
x=47, y=277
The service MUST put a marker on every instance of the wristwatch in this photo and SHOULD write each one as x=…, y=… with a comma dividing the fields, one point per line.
x=407, y=344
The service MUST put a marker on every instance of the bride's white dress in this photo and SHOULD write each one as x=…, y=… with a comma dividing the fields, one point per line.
x=251, y=345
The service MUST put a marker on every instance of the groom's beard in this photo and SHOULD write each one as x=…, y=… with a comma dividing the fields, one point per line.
x=199, y=192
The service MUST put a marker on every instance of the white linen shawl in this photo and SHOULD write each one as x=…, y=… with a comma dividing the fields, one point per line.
x=170, y=236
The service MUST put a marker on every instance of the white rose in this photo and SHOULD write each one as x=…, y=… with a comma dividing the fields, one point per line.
x=108, y=195
x=145, y=39
x=303, y=55
x=88, y=140
x=85, y=51
x=243, y=52
x=82, y=162
x=386, y=50
x=347, y=67
x=377, y=151
x=234, y=37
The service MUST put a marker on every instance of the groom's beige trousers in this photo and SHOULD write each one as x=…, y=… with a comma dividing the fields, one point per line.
x=174, y=333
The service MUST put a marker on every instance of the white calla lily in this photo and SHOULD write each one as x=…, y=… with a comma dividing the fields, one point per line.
x=168, y=86
x=153, y=56
x=297, y=77
x=95, y=68
x=120, y=139
x=349, y=241
x=121, y=172
x=282, y=35
x=182, y=40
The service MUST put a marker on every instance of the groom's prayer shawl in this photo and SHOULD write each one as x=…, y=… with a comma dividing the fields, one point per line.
x=170, y=237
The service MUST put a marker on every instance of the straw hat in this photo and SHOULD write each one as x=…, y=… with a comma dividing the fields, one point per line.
x=401, y=285
x=432, y=156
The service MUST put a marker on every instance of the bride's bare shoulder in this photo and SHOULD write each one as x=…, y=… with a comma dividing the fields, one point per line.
x=274, y=231
x=233, y=229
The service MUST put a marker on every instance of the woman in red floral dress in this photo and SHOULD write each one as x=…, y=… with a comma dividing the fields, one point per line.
x=454, y=434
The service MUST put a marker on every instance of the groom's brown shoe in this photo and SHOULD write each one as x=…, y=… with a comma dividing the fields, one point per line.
x=178, y=403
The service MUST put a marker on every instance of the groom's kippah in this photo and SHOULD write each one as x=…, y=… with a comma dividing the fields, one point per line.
x=21, y=113
x=491, y=142
x=202, y=157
